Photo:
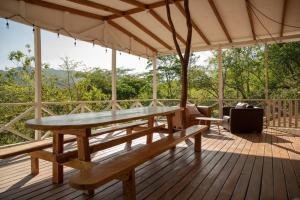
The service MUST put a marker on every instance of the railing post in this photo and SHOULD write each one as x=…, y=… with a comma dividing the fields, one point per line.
x=114, y=79
x=220, y=83
x=154, y=85
x=38, y=78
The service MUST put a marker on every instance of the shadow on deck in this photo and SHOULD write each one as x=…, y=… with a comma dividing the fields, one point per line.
x=230, y=166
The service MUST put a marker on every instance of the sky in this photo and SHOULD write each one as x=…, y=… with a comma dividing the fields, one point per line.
x=55, y=48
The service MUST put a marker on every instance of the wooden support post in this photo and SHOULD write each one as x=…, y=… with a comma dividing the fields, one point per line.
x=197, y=145
x=154, y=85
x=37, y=79
x=220, y=83
x=150, y=125
x=57, y=169
x=170, y=123
x=34, y=165
x=129, y=186
x=267, y=110
x=114, y=79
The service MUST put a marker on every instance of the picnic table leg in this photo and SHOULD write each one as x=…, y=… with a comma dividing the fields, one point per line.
x=150, y=125
x=170, y=126
x=83, y=149
x=58, y=147
x=128, y=144
x=129, y=186
x=197, y=142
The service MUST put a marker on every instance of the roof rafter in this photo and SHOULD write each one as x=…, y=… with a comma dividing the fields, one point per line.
x=217, y=14
x=150, y=7
x=143, y=28
x=128, y=17
x=89, y=15
x=46, y=4
x=165, y=24
x=197, y=29
x=97, y=5
x=285, y=2
x=140, y=7
x=123, y=30
x=250, y=19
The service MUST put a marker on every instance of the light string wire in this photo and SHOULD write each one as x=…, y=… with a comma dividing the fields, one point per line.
x=59, y=30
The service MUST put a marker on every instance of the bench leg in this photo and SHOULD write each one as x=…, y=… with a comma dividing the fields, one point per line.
x=34, y=165
x=57, y=169
x=197, y=143
x=84, y=152
x=150, y=125
x=129, y=186
x=128, y=144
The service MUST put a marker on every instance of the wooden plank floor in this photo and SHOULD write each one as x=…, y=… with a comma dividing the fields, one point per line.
x=245, y=166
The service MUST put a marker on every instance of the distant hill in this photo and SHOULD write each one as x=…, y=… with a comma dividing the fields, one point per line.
x=60, y=75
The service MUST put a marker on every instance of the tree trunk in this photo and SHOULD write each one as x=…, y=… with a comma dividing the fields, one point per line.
x=184, y=58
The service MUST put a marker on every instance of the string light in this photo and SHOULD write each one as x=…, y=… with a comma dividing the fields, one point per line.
x=139, y=58
x=33, y=27
x=58, y=35
x=105, y=50
x=7, y=24
x=93, y=43
x=75, y=43
x=120, y=53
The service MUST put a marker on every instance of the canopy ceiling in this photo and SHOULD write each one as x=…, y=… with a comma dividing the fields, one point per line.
x=141, y=27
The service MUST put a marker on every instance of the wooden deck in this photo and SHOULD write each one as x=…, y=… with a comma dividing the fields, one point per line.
x=230, y=166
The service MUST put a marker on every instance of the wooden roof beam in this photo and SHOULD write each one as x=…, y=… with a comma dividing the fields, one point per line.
x=165, y=24
x=285, y=2
x=143, y=28
x=97, y=5
x=129, y=18
x=89, y=15
x=250, y=19
x=140, y=7
x=197, y=29
x=46, y=4
x=217, y=14
x=123, y=30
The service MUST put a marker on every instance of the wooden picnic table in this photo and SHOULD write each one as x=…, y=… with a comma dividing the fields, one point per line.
x=80, y=125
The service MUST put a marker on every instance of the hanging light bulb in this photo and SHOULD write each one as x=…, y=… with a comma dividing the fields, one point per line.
x=120, y=53
x=139, y=58
x=33, y=27
x=7, y=24
x=75, y=42
x=57, y=34
x=93, y=43
x=129, y=51
x=105, y=50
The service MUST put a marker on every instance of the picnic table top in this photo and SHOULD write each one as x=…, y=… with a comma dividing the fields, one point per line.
x=93, y=119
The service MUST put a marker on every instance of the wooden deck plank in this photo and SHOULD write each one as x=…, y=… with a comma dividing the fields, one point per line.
x=278, y=174
x=179, y=174
x=199, y=175
x=233, y=178
x=267, y=174
x=217, y=185
x=229, y=167
x=253, y=191
x=289, y=173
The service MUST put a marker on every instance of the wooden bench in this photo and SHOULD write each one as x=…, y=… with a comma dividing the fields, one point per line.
x=123, y=167
x=35, y=149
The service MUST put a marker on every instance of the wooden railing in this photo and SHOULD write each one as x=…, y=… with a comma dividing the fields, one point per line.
x=278, y=112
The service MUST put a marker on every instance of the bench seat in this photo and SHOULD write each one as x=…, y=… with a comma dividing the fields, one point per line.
x=122, y=167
